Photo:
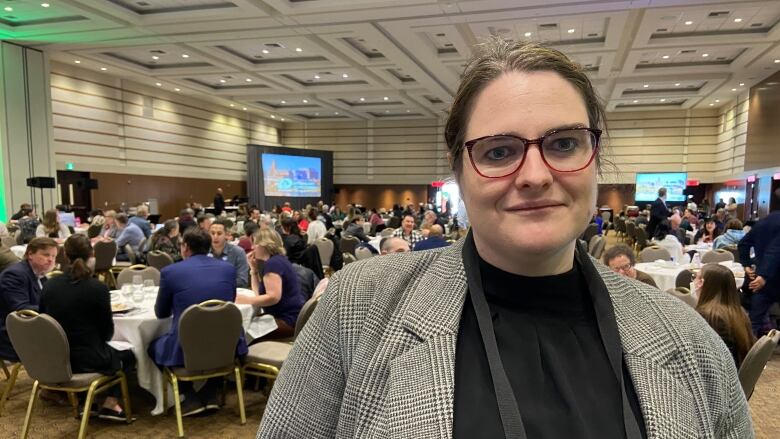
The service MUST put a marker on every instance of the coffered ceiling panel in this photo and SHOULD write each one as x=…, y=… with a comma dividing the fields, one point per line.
x=381, y=59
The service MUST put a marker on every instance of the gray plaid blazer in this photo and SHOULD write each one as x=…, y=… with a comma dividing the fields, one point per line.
x=377, y=358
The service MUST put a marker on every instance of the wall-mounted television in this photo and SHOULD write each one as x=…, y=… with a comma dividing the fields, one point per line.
x=291, y=175
x=647, y=185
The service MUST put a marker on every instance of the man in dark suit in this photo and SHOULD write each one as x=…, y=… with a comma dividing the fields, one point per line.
x=764, y=238
x=21, y=284
x=196, y=279
x=219, y=202
x=658, y=212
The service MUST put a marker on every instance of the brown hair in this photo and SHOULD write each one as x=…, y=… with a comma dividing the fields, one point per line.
x=734, y=224
x=720, y=306
x=50, y=223
x=496, y=57
x=78, y=250
x=37, y=244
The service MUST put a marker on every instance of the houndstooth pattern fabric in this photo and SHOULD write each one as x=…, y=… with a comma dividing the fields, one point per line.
x=377, y=358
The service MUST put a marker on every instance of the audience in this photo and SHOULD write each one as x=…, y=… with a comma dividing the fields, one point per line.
x=230, y=253
x=21, y=285
x=166, y=240
x=406, y=231
x=720, y=306
x=731, y=236
x=245, y=242
x=294, y=244
x=275, y=284
x=708, y=233
x=194, y=280
x=731, y=208
x=620, y=258
x=392, y=244
x=186, y=220
x=355, y=228
x=316, y=230
x=51, y=227
x=110, y=230
x=82, y=306
x=665, y=239
x=23, y=211
x=140, y=220
x=204, y=222
x=376, y=219
x=129, y=234
x=435, y=239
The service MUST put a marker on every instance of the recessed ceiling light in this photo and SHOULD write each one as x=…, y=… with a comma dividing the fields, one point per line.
x=9, y=9
x=316, y=114
x=282, y=102
x=704, y=55
x=103, y=69
x=663, y=100
x=184, y=55
x=527, y=34
x=408, y=111
x=336, y=113
x=45, y=5
x=222, y=81
x=273, y=117
x=362, y=99
x=737, y=20
x=777, y=61
x=282, y=119
x=386, y=98
x=733, y=89
x=571, y=31
x=265, y=51
x=298, y=49
x=177, y=89
x=248, y=79
x=155, y=57
x=665, y=57
x=77, y=61
x=316, y=76
x=232, y=105
x=159, y=84
x=712, y=105
x=636, y=101
x=717, y=100
x=676, y=84
x=305, y=101
x=646, y=85
x=741, y=84
x=688, y=23
x=243, y=108
x=345, y=76
x=387, y=111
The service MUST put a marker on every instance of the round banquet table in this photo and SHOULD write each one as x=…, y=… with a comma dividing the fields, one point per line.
x=665, y=274
x=136, y=330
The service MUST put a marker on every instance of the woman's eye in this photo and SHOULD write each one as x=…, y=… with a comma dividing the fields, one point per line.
x=498, y=153
x=564, y=145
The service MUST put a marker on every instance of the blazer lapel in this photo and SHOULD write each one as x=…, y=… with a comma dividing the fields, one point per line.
x=422, y=379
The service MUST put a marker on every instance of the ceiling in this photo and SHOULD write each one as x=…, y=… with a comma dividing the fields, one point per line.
x=375, y=59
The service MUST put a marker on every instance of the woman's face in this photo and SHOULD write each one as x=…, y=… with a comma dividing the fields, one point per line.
x=710, y=227
x=503, y=211
x=174, y=233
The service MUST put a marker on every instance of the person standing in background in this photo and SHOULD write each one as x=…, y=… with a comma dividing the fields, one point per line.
x=219, y=202
x=658, y=212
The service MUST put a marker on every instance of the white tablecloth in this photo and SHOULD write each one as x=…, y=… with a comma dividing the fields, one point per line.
x=665, y=275
x=140, y=327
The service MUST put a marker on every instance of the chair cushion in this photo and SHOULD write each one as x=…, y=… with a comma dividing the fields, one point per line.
x=269, y=352
x=184, y=373
x=78, y=380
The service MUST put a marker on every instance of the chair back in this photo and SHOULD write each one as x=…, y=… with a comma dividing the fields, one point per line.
x=325, y=247
x=8, y=241
x=349, y=243
x=684, y=279
x=131, y=254
x=126, y=275
x=598, y=250
x=208, y=333
x=158, y=259
x=93, y=231
x=53, y=273
x=653, y=253
x=306, y=311
x=105, y=252
x=684, y=294
x=386, y=232
x=719, y=255
x=592, y=243
x=640, y=236
x=348, y=258
x=590, y=231
x=41, y=345
x=606, y=216
x=631, y=230
x=733, y=250
x=755, y=361
x=362, y=253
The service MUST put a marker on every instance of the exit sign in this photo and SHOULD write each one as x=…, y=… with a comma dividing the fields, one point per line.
x=69, y=166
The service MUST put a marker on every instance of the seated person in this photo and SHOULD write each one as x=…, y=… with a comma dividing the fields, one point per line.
x=232, y=254
x=129, y=233
x=7, y=258
x=393, y=244
x=294, y=244
x=719, y=304
x=245, y=242
x=664, y=238
x=140, y=220
x=708, y=233
x=194, y=280
x=275, y=284
x=51, y=227
x=166, y=240
x=435, y=239
x=28, y=225
x=82, y=306
x=355, y=228
x=620, y=258
x=110, y=230
x=407, y=232
x=731, y=236
x=21, y=284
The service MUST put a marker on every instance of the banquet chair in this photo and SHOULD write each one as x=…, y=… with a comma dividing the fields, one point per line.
x=590, y=232
x=362, y=253
x=209, y=333
x=387, y=232
x=10, y=378
x=620, y=228
x=606, y=217
x=755, y=361
x=684, y=279
x=266, y=357
x=325, y=247
x=631, y=232
x=348, y=244
x=45, y=353
x=640, y=238
x=653, y=253
x=105, y=251
x=8, y=241
x=719, y=255
x=598, y=246
x=158, y=259
x=733, y=250
x=684, y=294
x=126, y=275
x=53, y=273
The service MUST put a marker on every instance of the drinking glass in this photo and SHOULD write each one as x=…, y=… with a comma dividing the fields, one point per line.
x=138, y=280
x=148, y=288
x=138, y=295
x=127, y=292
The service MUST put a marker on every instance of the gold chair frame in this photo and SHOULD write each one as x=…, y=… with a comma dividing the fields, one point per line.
x=10, y=378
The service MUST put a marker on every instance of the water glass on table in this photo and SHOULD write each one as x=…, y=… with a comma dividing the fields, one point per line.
x=138, y=294
x=148, y=288
x=127, y=292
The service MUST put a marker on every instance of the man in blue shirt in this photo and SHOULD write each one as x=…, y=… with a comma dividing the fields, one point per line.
x=129, y=233
x=139, y=219
x=435, y=239
x=232, y=254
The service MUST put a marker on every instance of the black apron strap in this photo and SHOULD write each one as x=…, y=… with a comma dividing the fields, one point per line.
x=511, y=420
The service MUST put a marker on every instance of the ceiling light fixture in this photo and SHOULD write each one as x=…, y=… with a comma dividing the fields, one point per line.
x=345, y=76
x=316, y=76
x=232, y=105
x=9, y=9
x=527, y=34
x=282, y=102
x=665, y=57
x=177, y=89
x=408, y=111
x=704, y=55
x=733, y=89
x=676, y=84
x=737, y=20
x=45, y=5
x=712, y=105
x=777, y=61
x=222, y=81
x=243, y=108
x=663, y=100
x=688, y=23
x=77, y=61
x=184, y=55
x=571, y=31
x=248, y=79
x=741, y=84
x=636, y=101
x=362, y=99
x=273, y=117
x=646, y=85
x=155, y=57
x=305, y=101
x=159, y=84
x=298, y=49
x=717, y=100
x=265, y=51
x=282, y=119
x=336, y=113
x=103, y=69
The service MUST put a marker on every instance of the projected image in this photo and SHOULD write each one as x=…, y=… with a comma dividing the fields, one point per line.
x=292, y=175
x=647, y=186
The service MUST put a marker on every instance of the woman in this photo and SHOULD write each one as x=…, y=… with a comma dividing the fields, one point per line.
x=337, y=214
x=246, y=241
x=316, y=231
x=720, y=306
x=110, y=230
x=731, y=208
x=82, y=306
x=275, y=284
x=664, y=238
x=294, y=244
x=512, y=331
x=303, y=219
x=708, y=233
x=375, y=219
x=51, y=227
x=166, y=240
x=731, y=236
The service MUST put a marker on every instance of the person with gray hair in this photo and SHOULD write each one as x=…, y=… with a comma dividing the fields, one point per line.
x=620, y=258
x=435, y=239
x=140, y=220
x=393, y=244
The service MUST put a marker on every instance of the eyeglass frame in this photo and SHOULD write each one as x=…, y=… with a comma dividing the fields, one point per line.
x=526, y=144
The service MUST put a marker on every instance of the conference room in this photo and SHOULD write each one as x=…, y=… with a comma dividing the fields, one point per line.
x=302, y=218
